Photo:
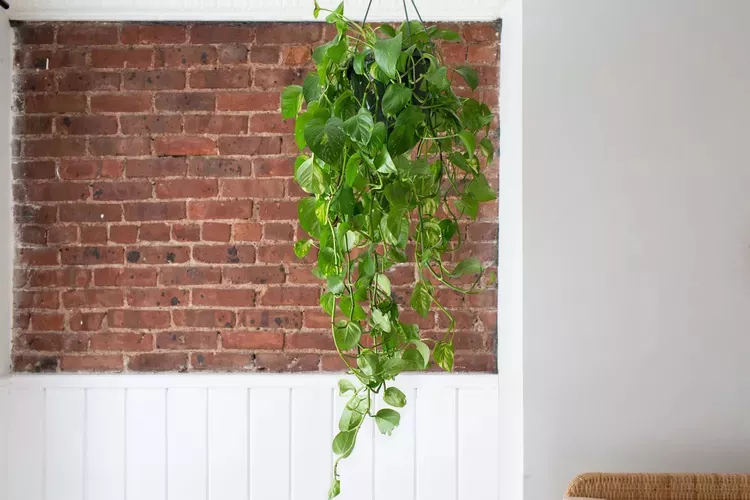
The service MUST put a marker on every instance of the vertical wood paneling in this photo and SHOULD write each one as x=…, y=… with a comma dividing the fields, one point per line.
x=356, y=471
x=26, y=441
x=269, y=443
x=436, y=444
x=105, y=444
x=312, y=412
x=477, y=444
x=145, y=445
x=227, y=444
x=187, y=449
x=394, y=455
x=65, y=415
x=4, y=424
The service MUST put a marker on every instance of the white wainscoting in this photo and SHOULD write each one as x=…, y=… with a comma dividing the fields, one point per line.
x=240, y=437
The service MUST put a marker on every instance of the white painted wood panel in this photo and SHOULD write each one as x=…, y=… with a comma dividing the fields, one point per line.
x=227, y=437
x=105, y=444
x=4, y=424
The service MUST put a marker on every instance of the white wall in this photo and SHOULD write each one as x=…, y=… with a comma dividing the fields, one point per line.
x=636, y=238
x=6, y=223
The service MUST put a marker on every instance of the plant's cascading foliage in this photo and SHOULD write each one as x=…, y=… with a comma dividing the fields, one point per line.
x=394, y=162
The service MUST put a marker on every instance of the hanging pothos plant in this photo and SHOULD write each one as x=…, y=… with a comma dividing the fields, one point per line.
x=394, y=164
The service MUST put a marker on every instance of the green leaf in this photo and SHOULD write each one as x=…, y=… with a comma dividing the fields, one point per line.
x=337, y=51
x=352, y=175
x=345, y=304
x=337, y=13
x=308, y=218
x=469, y=75
x=328, y=302
x=302, y=248
x=335, y=489
x=299, y=129
x=350, y=420
x=316, y=10
x=392, y=225
x=327, y=261
x=384, y=162
x=395, y=99
x=380, y=320
x=291, y=101
x=343, y=443
x=443, y=354
x=421, y=298
x=398, y=195
x=394, y=397
x=488, y=149
x=423, y=350
x=359, y=63
x=440, y=78
x=326, y=139
x=369, y=363
x=387, y=420
x=346, y=386
x=387, y=51
x=387, y=29
x=467, y=266
x=310, y=177
x=378, y=137
x=469, y=142
x=447, y=35
x=343, y=202
x=369, y=265
x=311, y=89
x=480, y=189
x=336, y=284
x=359, y=127
x=383, y=284
x=347, y=335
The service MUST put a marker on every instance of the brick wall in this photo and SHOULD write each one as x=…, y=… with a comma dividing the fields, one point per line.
x=155, y=207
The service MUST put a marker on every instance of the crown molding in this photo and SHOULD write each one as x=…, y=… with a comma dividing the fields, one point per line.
x=243, y=10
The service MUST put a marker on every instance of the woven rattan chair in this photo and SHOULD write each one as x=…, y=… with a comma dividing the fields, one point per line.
x=661, y=486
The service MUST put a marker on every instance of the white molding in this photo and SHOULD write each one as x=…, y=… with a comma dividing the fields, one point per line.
x=239, y=380
x=243, y=10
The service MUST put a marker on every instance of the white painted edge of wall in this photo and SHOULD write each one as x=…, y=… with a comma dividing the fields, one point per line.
x=244, y=10
x=242, y=380
x=6, y=181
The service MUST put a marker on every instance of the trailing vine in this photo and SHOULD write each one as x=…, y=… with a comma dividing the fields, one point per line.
x=395, y=161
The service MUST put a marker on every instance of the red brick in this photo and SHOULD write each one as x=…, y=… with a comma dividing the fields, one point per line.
x=156, y=167
x=133, y=102
x=186, y=232
x=250, y=231
x=158, y=297
x=454, y=53
x=288, y=296
x=154, y=80
x=332, y=363
x=151, y=124
x=33, y=234
x=288, y=33
x=278, y=232
x=57, y=191
x=147, y=34
x=187, y=188
x=87, y=34
x=90, y=169
x=296, y=55
x=94, y=234
x=120, y=146
x=155, y=211
x=123, y=234
x=271, y=123
x=27, y=214
x=34, y=170
x=54, y=147
x=252, y=340
x=308, y=341
x=220, y=167
x=47, y=322
x=217, y=209
x=475, y=362
x=55, y=103
x=204, y=318
x=86, y=125
x=273, y=167
x=248, y=101
x=185, y=101
x=222, y=361
x=278, y=78
x=154, y=232
x=273, y=253
x=220, y=33
x=216, y=124
x=122, y=342
x=35, y=34
x=233, y=54
x=286, y=362
x=82, y=256
x=317, y=318
x=278, y=210
x=190, y=276
x=223, y=297
x=152, y=255
x=112, y=191
x=36, y=82
x=86, y=321
x=220, y=79
x=249, y=146
x=184, y=146
x=91, y=363
x=187, y=340
x=223, y=254
x=213, y=231
x=53, y=59
x=34, y=125
x=114, y=276
x=480, y=32
x=121, y=58
x=268, y=54
x=34, y=363
x=92, y=299
x=253, y=274
x=89, y=80
x=67, y=277
x=270, y=318
x=36, y=300
x=158, y=362
x=186, y=56
x=62, y=234
x=90, y=212
x=140, y=319
x=484, y=54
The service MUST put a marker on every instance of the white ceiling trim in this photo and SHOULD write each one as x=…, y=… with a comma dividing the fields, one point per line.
x=243, y=10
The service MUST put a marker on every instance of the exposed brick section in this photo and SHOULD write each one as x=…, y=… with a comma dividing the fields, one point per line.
x=155, y=207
